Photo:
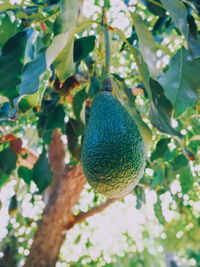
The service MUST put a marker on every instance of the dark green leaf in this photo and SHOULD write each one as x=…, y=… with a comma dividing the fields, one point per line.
x=161, y=148
x=12, y=208
x=4, y=110
x=78, y=101
x=140, y=194
x=8, y=28
x=30, y=85
x=83, y=46
x=158, y=211
x=196, y=5
x=11, y=64
x=161, y=109
x=178, y=12
x=179, y=162
x=158, y=177
x=50, y=118
x=56, y=118
x=74, y=129
x=181, y=81
x=156, y=8
x=193, y=40
x=186, y=180
x=147, y=44
x=8, y=159
x=42, y=175
x=26, y=174
x=3, y=177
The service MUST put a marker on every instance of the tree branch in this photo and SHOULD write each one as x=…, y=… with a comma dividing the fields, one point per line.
x=57, y=155
x=83, y=215
x=57, y=214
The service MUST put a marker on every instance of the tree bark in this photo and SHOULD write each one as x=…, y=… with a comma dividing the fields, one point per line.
x=60, y=198
x=57, y=215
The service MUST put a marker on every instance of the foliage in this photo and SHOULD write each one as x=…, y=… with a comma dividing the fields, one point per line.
x=52, y=66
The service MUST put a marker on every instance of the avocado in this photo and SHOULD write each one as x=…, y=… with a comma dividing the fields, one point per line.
x=113, y=154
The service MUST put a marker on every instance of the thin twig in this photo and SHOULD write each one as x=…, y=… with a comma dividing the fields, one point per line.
x=84, y=215
x=107, y=43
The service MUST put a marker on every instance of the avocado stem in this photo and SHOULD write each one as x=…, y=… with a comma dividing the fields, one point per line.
x=107, y=43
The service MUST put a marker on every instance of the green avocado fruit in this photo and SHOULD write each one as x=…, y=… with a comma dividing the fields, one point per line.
x=113, y=154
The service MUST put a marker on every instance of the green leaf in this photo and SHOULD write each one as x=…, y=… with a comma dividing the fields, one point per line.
x=142, y=126
x=83, y=47
x=8, y=28
x=8, y=159
x=156, y=8
x=13, y=205
x=186, y=180
x=78, y=239
x=42, y=175
x=185, y=23
x=158, y=211
x=31, y=75
x=74, y=129
x=5, y=5
x=179, y=162
x=78, y=101
x=49, y=119
x=143, y=69
x=8, y=5
x=4, y=110
x=26, y=174
x=140, y=194
x=36, y=13
x=3, y=177
x=193, y=40
x=161, y=148
x=196, y=5
x=60, y=52
x=66, y=20
x=181, y=81
x=64, y=64
x=27, y=102
x=107, y=4
x=11, y=64
x=161, y=109
x=178, y=12
x=56, y=117
x=158, y=177
x=148, y=47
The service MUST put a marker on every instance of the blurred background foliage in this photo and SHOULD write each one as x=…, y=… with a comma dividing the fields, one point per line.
x=51, y=67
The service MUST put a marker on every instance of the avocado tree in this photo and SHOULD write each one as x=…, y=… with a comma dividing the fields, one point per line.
x=56, y=57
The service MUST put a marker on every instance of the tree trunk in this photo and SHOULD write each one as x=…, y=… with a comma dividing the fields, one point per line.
x=60, y=199
x=57, y=215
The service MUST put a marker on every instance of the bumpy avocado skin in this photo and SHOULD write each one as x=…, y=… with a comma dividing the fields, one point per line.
x=113, y=155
